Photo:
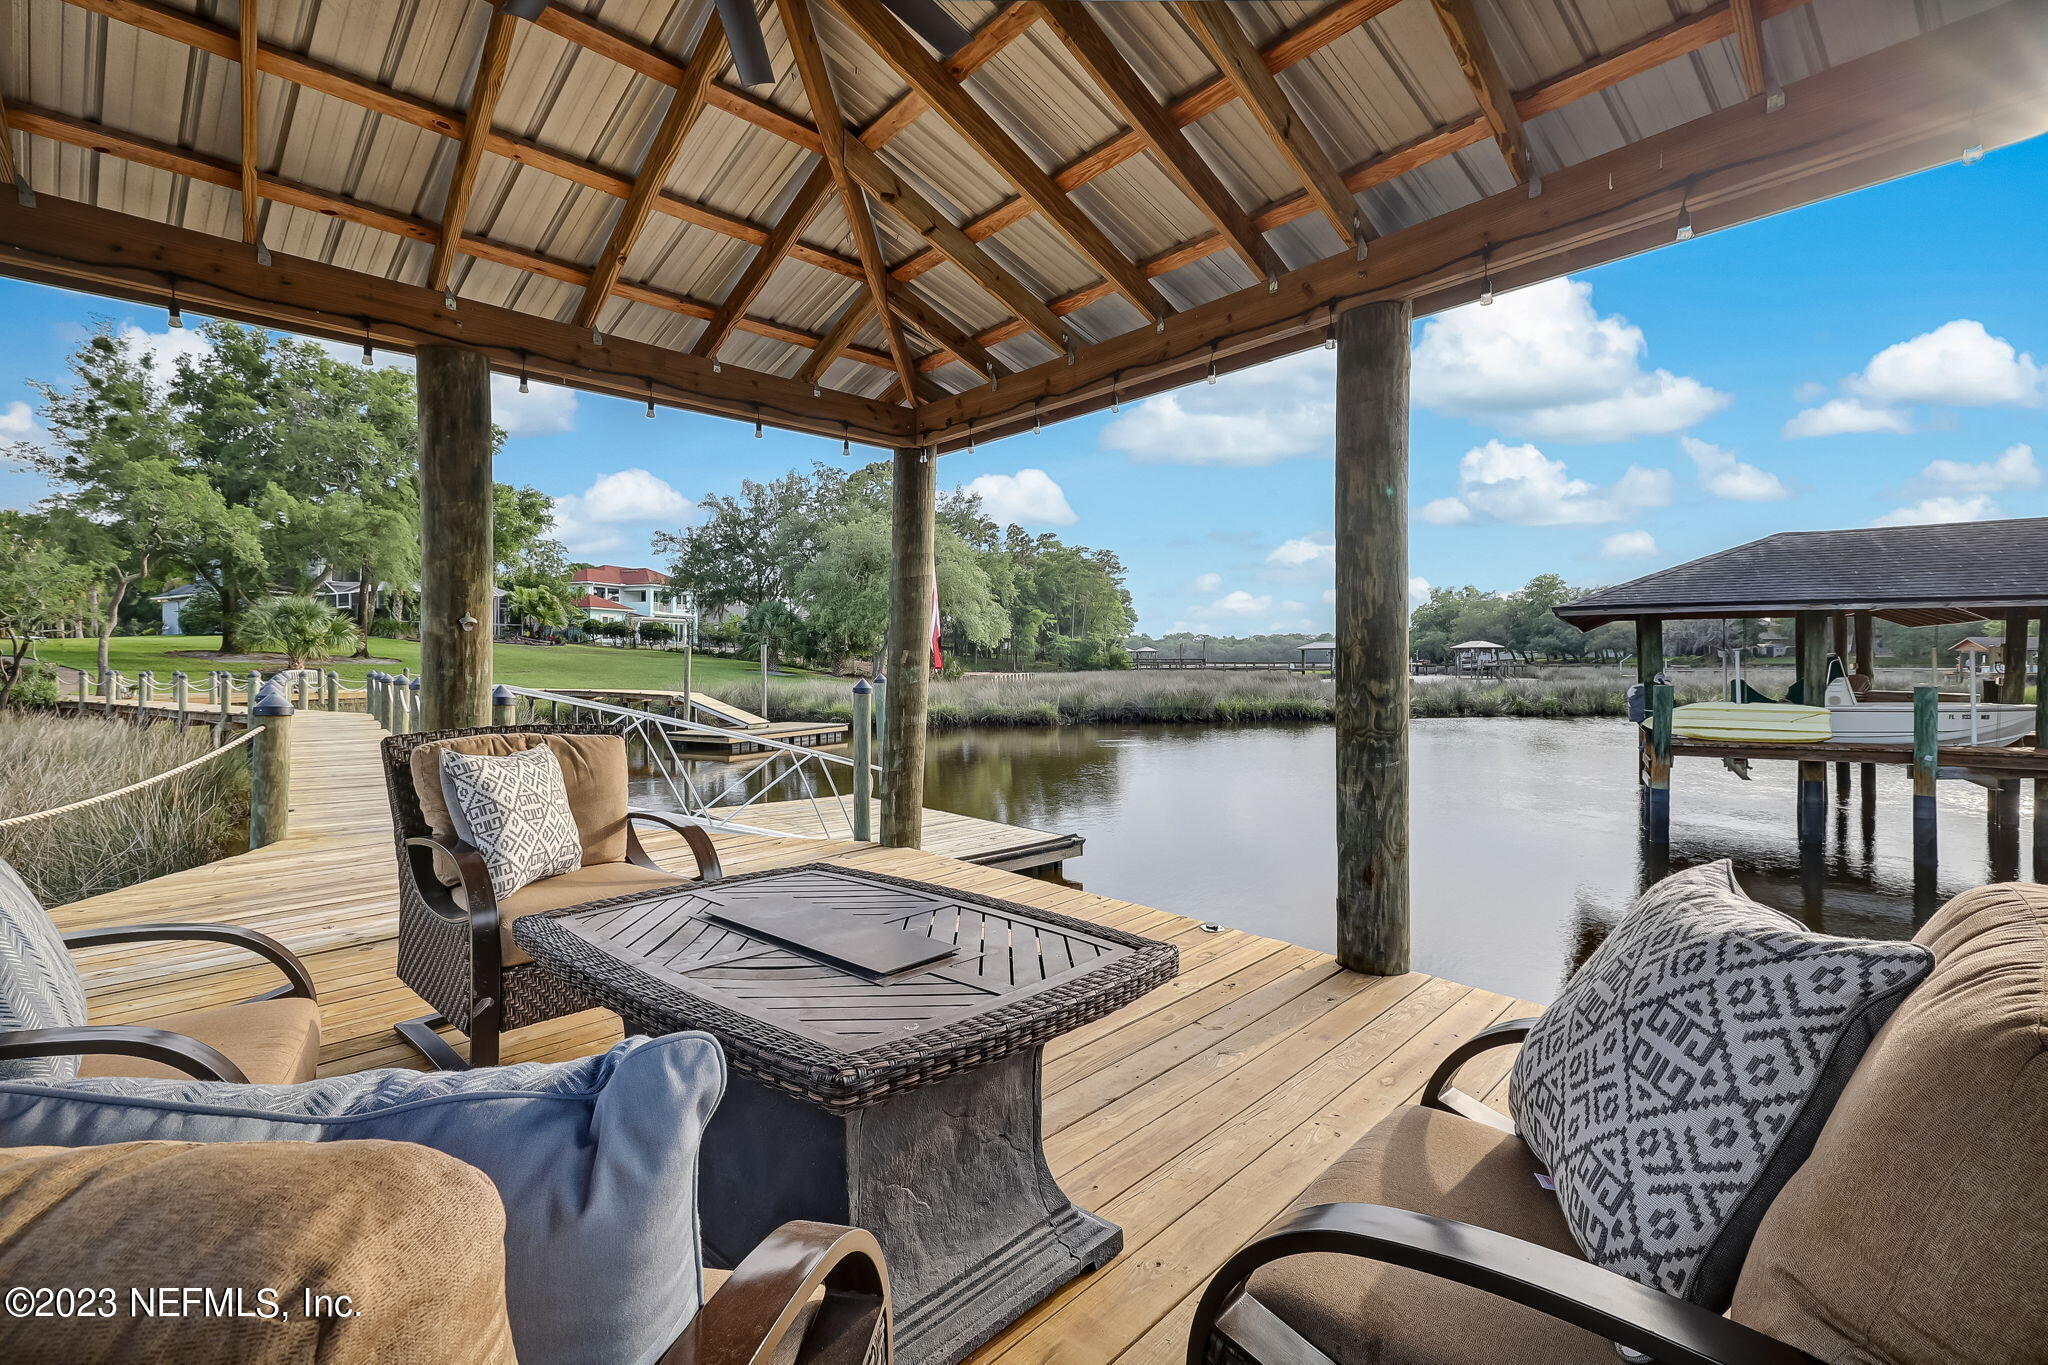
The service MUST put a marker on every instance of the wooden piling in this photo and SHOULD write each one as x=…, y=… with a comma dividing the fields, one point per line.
x=504, y=707
x=457, y=564
x=415, y=706
x=330, y=683
x=108, y=687
x=913, y=508
x=2012, y=682
x=882, y=747
x=255, y=686
x=145, y=692
x=1926, y=759
x=180, y=694
x=1657, y=767
x=270, y=767
x=1371, y=659
x=863, y=744
x=1649, y=649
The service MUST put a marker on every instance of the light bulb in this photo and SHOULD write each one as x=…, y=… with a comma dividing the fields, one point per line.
x=522, y=381
x=177, y=319
x=757, y=428
x=650, y=405
x=1684, y=233
x=1973, y=155
x=369, y=353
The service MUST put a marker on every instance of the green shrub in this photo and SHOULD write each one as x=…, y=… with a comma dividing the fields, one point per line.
x=385, y=628
x=37, y=686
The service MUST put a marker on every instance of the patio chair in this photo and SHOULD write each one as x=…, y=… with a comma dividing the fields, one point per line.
x=273, y=1038
x=455, y=945
x=1912, y=1234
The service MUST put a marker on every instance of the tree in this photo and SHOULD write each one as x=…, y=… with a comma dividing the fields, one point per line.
x=535, y=607
x=40, y=589
x=300, y=628
x=748, y=549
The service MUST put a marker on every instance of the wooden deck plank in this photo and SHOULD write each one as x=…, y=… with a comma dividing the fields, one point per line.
x=1190, y=1118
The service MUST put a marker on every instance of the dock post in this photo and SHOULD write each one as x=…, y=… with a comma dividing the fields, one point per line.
x=504, y=706
x=305, y=688
x=255, y=687
x=107, y=689
x=181, y=694
x=330, y=683
x=415, y=712
x=882, y=746
x=270, y=767
x=145, y=692
x=2002, y=831
x=457, y=565
x=82, y=690
x=863, y=749
x=1657, y=767
x=1926, y=757
x=2041, y=744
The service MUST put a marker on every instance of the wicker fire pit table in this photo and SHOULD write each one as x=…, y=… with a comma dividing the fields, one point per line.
x=868, y=1087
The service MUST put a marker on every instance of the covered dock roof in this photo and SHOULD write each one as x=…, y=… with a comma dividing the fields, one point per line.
x=1913, y=575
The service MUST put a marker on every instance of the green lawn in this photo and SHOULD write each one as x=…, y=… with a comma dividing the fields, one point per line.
x=519, y=665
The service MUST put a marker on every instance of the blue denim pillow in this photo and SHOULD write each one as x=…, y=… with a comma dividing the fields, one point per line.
x=595, y=1159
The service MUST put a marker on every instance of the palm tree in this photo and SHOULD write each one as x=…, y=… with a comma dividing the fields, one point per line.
x=300, y=628
x=535, y=607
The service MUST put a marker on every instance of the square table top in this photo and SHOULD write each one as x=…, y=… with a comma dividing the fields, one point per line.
x=1019, y=976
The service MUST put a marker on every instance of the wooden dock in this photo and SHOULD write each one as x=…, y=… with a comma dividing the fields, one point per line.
x=1190, y=1118
x=1014, y=848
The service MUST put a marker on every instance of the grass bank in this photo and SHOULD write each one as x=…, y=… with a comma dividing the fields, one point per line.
x=47, y=761
x=516, y=664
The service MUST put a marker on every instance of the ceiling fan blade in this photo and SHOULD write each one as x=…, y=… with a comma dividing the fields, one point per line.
x=743, y=38
x=522, y=9
x=929, y=20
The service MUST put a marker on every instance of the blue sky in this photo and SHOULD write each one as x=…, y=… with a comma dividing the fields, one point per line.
x=1880, y=356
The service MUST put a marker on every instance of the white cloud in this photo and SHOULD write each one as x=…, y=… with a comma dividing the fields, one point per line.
x=1303, y=551
x=1929, y=510
x=1418, y=590
x=1208, y=582
x=1541, y=362
x=1628, y=545
x=1724, y=476
x=2013, y=469
x=617, y=512
x=17, y=422
x=1028, y=497
x=1330, y=594
x=1846, y=417
x=1958, y=363
x=1236, y=602
x=544, y=410
x=164, y=349
x=1271, y=412
x=1521, y=484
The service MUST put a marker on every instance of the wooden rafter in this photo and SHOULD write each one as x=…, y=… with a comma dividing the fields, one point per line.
x=1092, y=49
x=1003, y=28
x=953, y=342
x=801, y=30
x=667, y=145
x=1217, y=29
x=810, y=196
x=1482, y=68
x=951, y=102
x=248, y=43
x=9, y=172
x=491, y=62
x=1749, y=45
x=837, y=337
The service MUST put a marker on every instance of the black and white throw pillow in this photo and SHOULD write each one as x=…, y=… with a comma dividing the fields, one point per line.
x=1685, y=1070
x=514, y=810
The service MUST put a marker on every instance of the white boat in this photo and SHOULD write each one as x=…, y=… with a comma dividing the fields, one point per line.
x=1891, y=722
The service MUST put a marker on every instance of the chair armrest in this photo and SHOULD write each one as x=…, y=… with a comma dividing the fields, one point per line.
x=477, y=894
x=1656, y=1325
x=263, y=945
x=761, y=1307
x=1438, y=1093
x=701, y=847
x=188, y=1055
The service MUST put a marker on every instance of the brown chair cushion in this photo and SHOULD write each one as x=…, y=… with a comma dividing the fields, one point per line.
x=600, y=881
x=1362, y=1312
x=593, y=771
x=275, y=1042
x=414, y=1237
x=1917, y=1231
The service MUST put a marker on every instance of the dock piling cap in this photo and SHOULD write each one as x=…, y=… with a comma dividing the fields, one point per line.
x=861, y=688
x=501, y=695
x=272, y=701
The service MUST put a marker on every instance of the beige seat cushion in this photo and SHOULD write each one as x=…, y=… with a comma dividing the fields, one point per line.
x=275, y=1042
x=593, y=771
x=414, y=1237
x=599, y=881
x=1918, y=1229
x=1362, y=1312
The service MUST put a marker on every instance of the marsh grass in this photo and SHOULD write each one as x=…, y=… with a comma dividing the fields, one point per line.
x=50, y=760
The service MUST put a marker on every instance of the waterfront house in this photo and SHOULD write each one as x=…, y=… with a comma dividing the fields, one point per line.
x=612, y=592
x=339, y=593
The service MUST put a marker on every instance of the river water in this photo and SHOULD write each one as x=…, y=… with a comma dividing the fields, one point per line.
x=1524, y=832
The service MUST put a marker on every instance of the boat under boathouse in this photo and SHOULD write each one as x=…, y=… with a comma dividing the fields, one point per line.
x=1834, y=586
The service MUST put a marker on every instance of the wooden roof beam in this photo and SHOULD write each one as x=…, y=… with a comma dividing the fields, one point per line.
x=1002, y=28
x=1749, y=45
x=248, y=44
x=801, y=30
x=810, y=197
x=1482, y=68
x=489, y=82
x=676, y=122
x=1217, y=30
x=1099, y=57
x=851, y=319
x=953, y=342
x=9, y=171
x=951, y=102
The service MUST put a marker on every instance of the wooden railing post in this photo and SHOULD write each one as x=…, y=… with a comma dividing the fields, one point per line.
x=109, y=684
x=331, y=684
x=305, y=689
x=145, y=691
x=1926, y=758
x=504, y=706
x=181, y=693
x=255, y=685
x=415, y=715
x=882, y=745
x=863, y=747
x=270, y=767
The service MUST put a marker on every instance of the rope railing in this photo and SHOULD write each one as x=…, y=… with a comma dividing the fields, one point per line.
x=237, y=742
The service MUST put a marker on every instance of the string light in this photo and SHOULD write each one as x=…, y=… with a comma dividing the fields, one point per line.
x=1212, y=363
x=1973, y=154
x=1037, y=421
x=369, y=352
x=177, y=318
x=1330, y=331
x=650, y=399
x=1115, y=382
x=845, y=442
x=1684, y=233
x=1486, y=277
x=522, y=372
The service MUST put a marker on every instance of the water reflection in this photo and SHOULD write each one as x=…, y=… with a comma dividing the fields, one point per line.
x=1524, y=838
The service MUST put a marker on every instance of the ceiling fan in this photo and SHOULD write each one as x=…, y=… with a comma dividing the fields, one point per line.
x=926, y=18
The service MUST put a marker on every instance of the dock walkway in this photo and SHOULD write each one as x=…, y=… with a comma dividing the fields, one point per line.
x=1190, y=1118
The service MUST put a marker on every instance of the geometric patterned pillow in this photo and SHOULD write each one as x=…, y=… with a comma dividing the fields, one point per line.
x=515, y=811
x=1683, y=1073
x=39, y=987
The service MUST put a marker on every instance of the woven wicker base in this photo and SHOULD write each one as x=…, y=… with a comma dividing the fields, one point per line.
x=951, y=1178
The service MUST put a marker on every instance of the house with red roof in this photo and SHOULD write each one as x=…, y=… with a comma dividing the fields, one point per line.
x=613, y=592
